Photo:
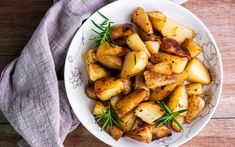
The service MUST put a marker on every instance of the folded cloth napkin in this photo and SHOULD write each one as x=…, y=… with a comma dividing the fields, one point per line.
x=31, y=96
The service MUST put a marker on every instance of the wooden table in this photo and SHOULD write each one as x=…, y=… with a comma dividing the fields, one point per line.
x=18, y=21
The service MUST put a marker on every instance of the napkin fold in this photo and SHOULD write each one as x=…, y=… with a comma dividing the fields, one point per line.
x=32, y=97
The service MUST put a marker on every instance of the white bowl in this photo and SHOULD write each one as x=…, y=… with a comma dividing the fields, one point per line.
x=120, y=12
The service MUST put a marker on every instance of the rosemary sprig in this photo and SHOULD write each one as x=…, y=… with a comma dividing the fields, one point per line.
x=110, y=117
x=103, y=31
x=165, y=119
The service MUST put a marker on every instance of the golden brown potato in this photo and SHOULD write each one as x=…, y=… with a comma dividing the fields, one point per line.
x=114, y=100
x=196, y=105
x=193, y=48
x=178, y=100
x=149, y=112
x=136, y=44
x=164, y=68
x=152, y=46
x=129, y=102
x=159, y=132
x=178, y=63
x=142, y=134
x=121, y=41
x=115, y=132
x=134, y=63
x=181, y=77
x=99, y=108
x=154, y=80
x=139, y=82
x=194, y=89
x=180, y=120
x=108, y=87
x=148, y=37
x=158, y=20
x=90, y=92
x=197, y=72
x=128, y=121
x=162, y=92
x=138, y=123
x=171, y=46
x=140, y=18
x=127, y=85
x=121, y=30
x=113, y=62
x=106, y=49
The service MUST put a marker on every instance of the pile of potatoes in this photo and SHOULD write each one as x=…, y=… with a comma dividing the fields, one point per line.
x=157, y=62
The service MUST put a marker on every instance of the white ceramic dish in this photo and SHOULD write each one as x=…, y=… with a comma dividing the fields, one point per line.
x=119, y=12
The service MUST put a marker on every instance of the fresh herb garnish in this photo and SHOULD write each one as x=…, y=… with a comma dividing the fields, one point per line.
x=170, y=115
x=104, y=32
x=109, y=117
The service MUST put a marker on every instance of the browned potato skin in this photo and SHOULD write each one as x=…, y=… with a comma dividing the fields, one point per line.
x=154, y=80
x=193, y=48
x=99, y=108
x=128, y=121
x=129, y=102
x=181, y=120
x=139, y=82
x=112, y=62
x=158, y=20
x=140, y=18
x=159, y=132
x=194, y=89
x=164, y=68
x=127, y=85
x=162, y=92
x=121, y=30
x=148, y=37
x=142, y=134
x=121, y=41
x=90, y=92
x=138, y=123
x=171, y=46
x=108, y=50
x=115, y=132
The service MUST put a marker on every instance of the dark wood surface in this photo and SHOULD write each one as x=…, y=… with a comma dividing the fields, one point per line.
x=19, y=19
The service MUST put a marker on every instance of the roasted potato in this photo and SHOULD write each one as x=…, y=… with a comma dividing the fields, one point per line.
x=113, y=62
x=121, y=41
x=178, y=100
x=108, y=87
x=128, y=121
x=164, y=68
x=178, y=63
x=193, y=48
x=152, y=46
x=129, y=102
x=99, y=108
x=171, y=46
x=180, y=119
x=194, y=89
x=181, y=78
x=90, y=92
x=106, y=49
x=138, y=123
x=139, y=82
x=121, y=30
x=134, y=63
x=154, y=80
x=149, y=111
x=197, y=72
x=148, y=37
x=162, y=92
x=127, y=85
x=114, y=100
x=136, y=44
x=159, y=132
x=141, y=19
x=142, y=134
x=196, y=105
x=115, y=132
x=158, y=20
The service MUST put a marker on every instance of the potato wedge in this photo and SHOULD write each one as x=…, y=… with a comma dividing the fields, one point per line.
x=113, y=62
x=149, y=112
x=148, y=37
x=121, y=30
x=164, y=68
x=196, y=105
x=90, y=92
x=128, y=121
x=114, y=100
x=194, y=89
x=152, y=46
x=136, y=44
x=193, y=48
x=181, y=120
x=197, y=72
x=158, y=20
x=121, y=41
x=142, y=134
x=140, y=18
x=139, y=82
x=178, y=100
x=108, y=87
x=127, y=85
x=181, y=78
x=162, y=92
x=178, y=63
x=134, y=63
x=129, y=102
x=154, y=80
x=106, y=49
x=159, y=132
x=99, y=108
x=115, y=132
x=171, y=46
x=138, y=123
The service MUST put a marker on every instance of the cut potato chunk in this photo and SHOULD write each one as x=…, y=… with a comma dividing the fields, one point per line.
x=139, y=82
x=159, y=132
x=180, y=119
x=178, y=63
x=197, y=72
x=106, y=49
x=106, y=88
x=134, y=63
x=193, y=48
x=164, y=68
x=178, y=100
x=152, y=46
x=196, y=105
x=129, y=102
x=115, y=132
x=158, y=20
x=136, y=44
x=127, y=85
x=114, y=100
x=194, y=89
x=121, y=41
x=162, y=92
x=121, y=30
x=138, y=123
x=99, y=108
x=113, y=62
x=181, y=77
x=148, y=37
x=142, y=134
x=128, y=121
x=149, y=112
x=140, y=18
x=154, y=80
x=90, y=92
